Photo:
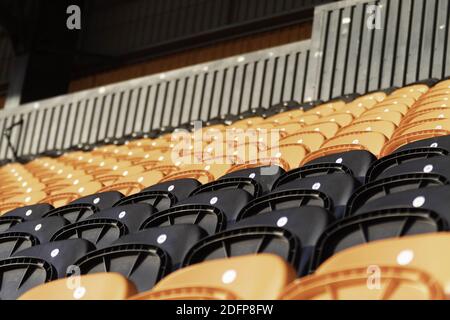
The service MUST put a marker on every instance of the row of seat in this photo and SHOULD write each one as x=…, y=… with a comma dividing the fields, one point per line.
x=386, y=269
x=131, y=209
x=365, y=123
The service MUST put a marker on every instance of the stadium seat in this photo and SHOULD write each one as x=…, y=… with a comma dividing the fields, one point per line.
x=371, y=141
x=307, y=223
x=229, y=201
x=27, y=234
x=357, y=161
x=373, y=226
x=442, y=142
x=100, y=200
x=28, y=213
x=141, y=263
x=38, y=272
x=60, y=254
x=239, y=278
x=264, y=175
x=418, y=251
x=334, y=180
x=74, y=212
x=99, y=286
x=106, y=226
x=181, y=189
x=356, y=284
x=175, y=240
x=400, y=158
x=245, y=241
x=207, y=217
x=431, y=198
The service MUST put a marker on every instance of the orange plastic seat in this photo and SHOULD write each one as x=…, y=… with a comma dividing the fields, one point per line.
x=342, y=119
x=392, y=116
x=403, y=109
x=133, y=184
x=429, y=105
x=312, y=140
x=376, y=96
x=188, y=293
x=413, y=90
x=442, y=84
x=355, y=110
x=326, y=109
x=385, y=127
x=97, y=286
x=292, y=153
x=436, y=113
x=400, y=141
x=206, y=172
x=424, y=252
x=372, y=141
x=424, y=125
x=22, y=200
x=289, y=127
x=55, y=186
x=393, y=283
x=328, y=129
x=116, y=175
x=246, y=123
x=261, y=163
x=69, y=194
x=245, y=277
x=308, y=118
x=322, y=152
x=395, y=100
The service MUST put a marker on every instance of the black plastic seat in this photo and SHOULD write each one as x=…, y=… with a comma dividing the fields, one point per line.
x=143, y=264
x=60, y=254
x=174, y=240
x=245, y=241
x=209, y=218
x=307, y=223
x=22, y=214
x=442, y=142
x=289, y=199
x=396, y=159
x=106, y=226
x=8, y=222
x=384, y=188
x=159, y=200
x=28, y=234
x=358, y=161
x=332, y=179
x=230, y=202
x=437, y=165
x=74, y=212
x=101, y=200
x=265, y=176
x=433, y=198
x=247, y=184
x=181, y=188
x=376, y=225
x=19, y=274
x=28, y=213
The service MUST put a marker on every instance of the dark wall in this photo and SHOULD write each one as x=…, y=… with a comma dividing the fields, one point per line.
x=115, y=27
x=6, y=58
x=119, y=33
